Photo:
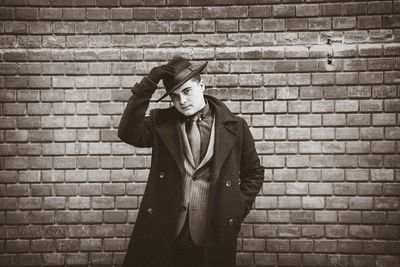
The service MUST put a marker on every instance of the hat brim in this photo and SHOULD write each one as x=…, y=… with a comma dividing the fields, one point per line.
x=185, y=79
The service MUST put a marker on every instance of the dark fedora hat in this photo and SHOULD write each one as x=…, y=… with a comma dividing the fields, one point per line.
x=183, y=71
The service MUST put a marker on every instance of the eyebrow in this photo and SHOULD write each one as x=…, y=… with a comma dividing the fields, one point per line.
x=181, y=90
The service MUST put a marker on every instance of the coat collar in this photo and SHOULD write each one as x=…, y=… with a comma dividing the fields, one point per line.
x=225, y=134
x=167, y=125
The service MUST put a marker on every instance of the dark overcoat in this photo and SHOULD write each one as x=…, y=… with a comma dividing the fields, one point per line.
x=236, y=178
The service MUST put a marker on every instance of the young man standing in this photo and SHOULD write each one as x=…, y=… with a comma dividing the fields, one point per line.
x=204, y=176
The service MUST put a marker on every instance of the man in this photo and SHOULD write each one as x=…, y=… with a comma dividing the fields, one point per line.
x=204, y=175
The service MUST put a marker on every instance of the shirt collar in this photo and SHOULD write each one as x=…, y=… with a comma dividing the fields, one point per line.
x=203, y=113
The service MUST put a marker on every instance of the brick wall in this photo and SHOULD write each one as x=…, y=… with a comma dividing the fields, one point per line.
x=317, y=80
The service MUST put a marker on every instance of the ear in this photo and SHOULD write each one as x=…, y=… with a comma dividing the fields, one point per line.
x=202, y=86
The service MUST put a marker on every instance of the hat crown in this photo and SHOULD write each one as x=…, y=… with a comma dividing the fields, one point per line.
x=179, y=64
x=182, y=71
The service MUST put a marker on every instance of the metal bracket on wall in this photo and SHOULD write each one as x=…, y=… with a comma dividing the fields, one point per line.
x=329, y=58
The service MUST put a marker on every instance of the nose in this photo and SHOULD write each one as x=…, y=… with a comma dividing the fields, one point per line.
x=182, y=99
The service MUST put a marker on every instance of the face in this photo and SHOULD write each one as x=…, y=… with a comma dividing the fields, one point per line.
x=188, y=98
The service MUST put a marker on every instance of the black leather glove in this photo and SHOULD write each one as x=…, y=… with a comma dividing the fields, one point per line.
x=157, y=73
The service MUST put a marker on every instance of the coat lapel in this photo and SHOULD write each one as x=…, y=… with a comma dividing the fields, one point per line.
x=225, y=135
x=210, y=148
x=224, y=141
x=188, y=150
x=170, y=133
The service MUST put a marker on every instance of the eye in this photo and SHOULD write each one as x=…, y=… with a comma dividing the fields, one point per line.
x=186, y=91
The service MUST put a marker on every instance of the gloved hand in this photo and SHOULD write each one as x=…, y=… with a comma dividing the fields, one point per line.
x=157, y=73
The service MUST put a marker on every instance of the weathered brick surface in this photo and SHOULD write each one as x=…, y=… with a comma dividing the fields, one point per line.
x=317, y=81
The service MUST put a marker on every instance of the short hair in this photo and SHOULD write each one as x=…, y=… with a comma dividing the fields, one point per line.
x=196, y=77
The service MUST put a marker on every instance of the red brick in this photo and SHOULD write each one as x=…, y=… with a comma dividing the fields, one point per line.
x=383, y=119
x=191, y=12
x=65, y=189
x=168, y=14
x=102, y=202
x=79, y=231
x=91, y=217
x=386, y=232
x=17, y=218
x=114, y=216
x=316, y=259
x=107, y=3
x=250, y=80
x=97, y=13
x=90, y=244
x=361, y=203
x=326, y=216
x=26, y=13
x=373, y=217
x=250, y=25
x=41, y=190
x=356, y=175
x=344, y=23
x=286, y=66
x=287, y=38
x=273, y=25
x=319, y=23
x=392, y=161
x=60, y=3
x=391, y=21
x=356, y=37
x=225, y=12
x=289, y=259
x=296, y=24
x=264, y=259
x=259, y=11
x=373, y=247
x=73, y=13
x=102, y=231
x=380, y=7
x=42, y=217
x=6, y=13
x=203, y=26
x=326, y=246
x=54, y=203
x=8, y=41
x=76, y=258
x=355, y=8
x=370, y=189
x=121, y=14
x=28, y=259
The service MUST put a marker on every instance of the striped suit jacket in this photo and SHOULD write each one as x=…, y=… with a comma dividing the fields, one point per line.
x=196, y=187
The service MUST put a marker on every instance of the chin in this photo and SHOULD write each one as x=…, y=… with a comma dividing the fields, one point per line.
x=187, y=112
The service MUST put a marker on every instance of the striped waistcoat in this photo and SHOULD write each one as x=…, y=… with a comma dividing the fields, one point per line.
x=196, y=189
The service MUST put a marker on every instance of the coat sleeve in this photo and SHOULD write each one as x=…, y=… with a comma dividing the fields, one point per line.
x=251, y=171
x=135, y=128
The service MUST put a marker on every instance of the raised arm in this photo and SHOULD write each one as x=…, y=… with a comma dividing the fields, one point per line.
x=135, y=128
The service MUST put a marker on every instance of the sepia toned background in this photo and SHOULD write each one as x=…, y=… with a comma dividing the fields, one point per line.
x=317, y=81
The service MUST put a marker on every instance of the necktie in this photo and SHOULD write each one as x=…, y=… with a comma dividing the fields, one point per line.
x=193, y=134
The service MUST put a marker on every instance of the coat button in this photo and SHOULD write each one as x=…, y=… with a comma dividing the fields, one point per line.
x=228, y=183
x=230, y=221
x=149, y=211
x=161, y=175
x=183, y=208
